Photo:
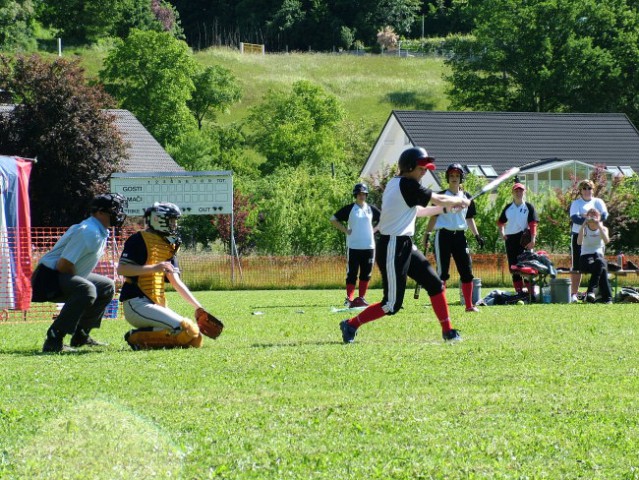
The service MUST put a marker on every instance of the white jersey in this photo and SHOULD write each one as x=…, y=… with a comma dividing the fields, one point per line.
x=592, y=242
x=580, y=207
x=456, y=220
x=399, y=206
x=360, y=222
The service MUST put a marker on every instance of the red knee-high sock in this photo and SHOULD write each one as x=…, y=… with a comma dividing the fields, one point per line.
x=440, y=307
x=373, y=312
x=467, y=290
x=363, y=287
x=518, y=284
x=350, y=291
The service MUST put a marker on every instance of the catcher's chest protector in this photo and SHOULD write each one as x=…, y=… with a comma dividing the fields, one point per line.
x=158, y=250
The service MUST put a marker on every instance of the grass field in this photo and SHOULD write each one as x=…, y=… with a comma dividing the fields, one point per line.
x=539, y=391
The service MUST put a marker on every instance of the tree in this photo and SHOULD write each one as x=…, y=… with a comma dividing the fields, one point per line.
x=59, y=119
x=150, y=73
x=87, y=21
x=215, y=90
x=17, y=25
x=301, y=126
x=549, y=56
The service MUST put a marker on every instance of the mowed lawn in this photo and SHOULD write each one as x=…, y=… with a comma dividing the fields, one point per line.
x=535, y=391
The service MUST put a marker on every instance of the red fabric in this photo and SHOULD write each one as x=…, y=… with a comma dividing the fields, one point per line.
x=440, y=307
x=363, y=288
x=467, y=290
x=23, y=245
x=533, y=228
x=350, y=291
x=372, y=312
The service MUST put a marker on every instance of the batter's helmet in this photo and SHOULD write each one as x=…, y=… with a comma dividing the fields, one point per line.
x=159, y=215
x=112, y=203
x=360, y=188
x=456, y=167
x=411, y=157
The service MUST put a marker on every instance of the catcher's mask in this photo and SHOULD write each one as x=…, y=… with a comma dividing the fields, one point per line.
x=158, y=218
x=456, y=167
x=113, y=204
x=360, y=188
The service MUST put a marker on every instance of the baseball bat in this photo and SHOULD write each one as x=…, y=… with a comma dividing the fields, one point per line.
x=496, y=182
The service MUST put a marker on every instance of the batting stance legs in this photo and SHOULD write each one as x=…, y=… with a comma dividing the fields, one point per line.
x=398, y=258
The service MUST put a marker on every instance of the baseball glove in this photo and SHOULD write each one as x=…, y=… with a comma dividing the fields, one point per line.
x=209, y=325
x=526, y=238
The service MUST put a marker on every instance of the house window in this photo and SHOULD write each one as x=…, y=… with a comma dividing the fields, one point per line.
x=627, y=170
x=614, y=171
x=488, y=170
x=475, y=170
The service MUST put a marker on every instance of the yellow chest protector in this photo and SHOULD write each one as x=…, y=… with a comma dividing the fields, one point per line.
x=158, y=250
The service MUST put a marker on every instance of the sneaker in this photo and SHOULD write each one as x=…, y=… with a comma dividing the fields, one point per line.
x=574, y=298
x=359, y=302
x=134, y=346
x=348, y=332
x=80, y=340
x=590, y=297
x=452, y=336
x=472, y=309
x=55, y=345
x=347, y=302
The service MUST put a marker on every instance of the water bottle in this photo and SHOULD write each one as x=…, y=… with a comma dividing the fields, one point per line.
x=621, y=260
x=545, y=295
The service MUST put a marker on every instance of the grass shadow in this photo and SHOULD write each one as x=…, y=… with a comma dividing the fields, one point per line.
x=29, y=352
x=409, y=100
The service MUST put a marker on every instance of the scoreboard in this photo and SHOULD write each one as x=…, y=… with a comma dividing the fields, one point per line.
x=196, y=193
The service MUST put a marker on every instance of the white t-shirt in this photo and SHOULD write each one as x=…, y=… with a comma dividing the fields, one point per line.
x=592, y=242
x=580, y=207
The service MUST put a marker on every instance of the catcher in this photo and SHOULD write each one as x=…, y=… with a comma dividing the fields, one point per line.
x=149, y=260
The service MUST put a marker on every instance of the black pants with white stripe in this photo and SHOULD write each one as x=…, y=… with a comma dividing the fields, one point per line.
x=397, y=259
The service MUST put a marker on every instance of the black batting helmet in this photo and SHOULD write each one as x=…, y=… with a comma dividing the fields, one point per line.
x=411, y=157
x=159, y=215
x=456, y=167
x=360, y=188
x=112, y=203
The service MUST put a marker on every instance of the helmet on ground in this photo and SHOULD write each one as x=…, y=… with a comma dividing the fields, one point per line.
x=456, y=167
x=159, y=216
x=112, y=203
x=411, y=157
x=360, y=188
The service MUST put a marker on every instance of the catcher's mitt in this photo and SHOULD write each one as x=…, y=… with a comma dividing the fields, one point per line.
x=526, y=238
x=209, y=325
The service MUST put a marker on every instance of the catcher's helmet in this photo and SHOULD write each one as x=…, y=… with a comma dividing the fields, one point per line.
x=159, y=215
x=112, y=203
x=456, y=167
x=411, y=157
x=360, y=188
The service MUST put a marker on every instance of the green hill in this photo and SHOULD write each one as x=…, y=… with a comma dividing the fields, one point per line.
x=369, y=86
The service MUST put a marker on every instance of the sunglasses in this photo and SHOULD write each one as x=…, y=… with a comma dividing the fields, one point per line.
x=586, y=188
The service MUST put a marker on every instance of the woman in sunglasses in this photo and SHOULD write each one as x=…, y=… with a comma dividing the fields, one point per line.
x=579, y=208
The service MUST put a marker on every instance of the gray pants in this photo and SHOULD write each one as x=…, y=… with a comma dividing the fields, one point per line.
x=85, y=299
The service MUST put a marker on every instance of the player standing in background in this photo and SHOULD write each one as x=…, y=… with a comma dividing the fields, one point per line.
x=360, y=218
x=450, y=236
x=148, y=261
x=515, y=218
x=397, y=256
x=578, y=213
x=64, y=275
